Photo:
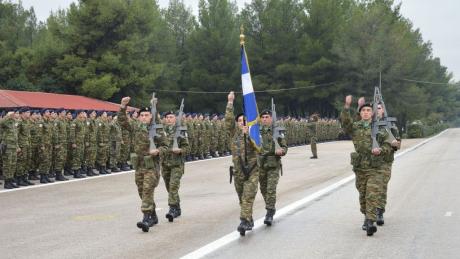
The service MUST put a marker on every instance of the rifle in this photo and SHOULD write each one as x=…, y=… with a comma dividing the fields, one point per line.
x=278, y=131
x=388, y=121
x=231, y=173
x=153, y=125
x=179, y=128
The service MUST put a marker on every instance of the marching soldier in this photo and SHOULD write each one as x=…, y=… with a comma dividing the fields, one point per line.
x=146, y=162
x=246, y=175
x=172, y=164
x=270, y=164
x=77, y=142
x=313, y=128
x=24, y=141
x=367, y=160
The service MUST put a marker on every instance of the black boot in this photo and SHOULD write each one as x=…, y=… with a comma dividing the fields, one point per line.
x=269, y=217
x=48, y=179
x=77, y=174
x=145, y=223
x=26, y=180
x=89, y=171
x=115, y=169
x=314, y=157
x=380, y=220
x=83, y=170
x=60, y=177
x=43, y=178
x=67, y=172
x=174, y=212
x=370, y=227
x=125, y=167
x=244, y=226
x=10, y=184
x=20, y=181
x=364, y=227
x=50, y=175
x=154, y=218
x=33, y=175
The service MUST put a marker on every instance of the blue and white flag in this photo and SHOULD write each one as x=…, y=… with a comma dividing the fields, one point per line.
x=249, y=98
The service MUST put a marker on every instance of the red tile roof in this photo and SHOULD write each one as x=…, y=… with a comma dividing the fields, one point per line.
x=12, y=99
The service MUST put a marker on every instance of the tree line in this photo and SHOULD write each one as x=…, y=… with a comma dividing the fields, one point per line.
x=313, y=51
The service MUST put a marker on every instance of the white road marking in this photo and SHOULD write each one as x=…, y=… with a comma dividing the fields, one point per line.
x=448, y=214
x=235, y=235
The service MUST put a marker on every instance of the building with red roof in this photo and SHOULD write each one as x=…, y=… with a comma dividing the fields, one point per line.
x=38, y=100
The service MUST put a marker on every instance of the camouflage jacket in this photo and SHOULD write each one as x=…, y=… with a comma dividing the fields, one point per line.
x=268, y=158
x=141, y=140
x=9, y=132
x=237, y=141
x=168, y=157
x=360, y=132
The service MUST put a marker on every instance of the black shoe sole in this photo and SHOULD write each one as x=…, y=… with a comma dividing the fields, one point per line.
x=371, y=231
x=380, y=223
x=170, y=217
x=144, y=227
x=268, y=223
x=242, y=232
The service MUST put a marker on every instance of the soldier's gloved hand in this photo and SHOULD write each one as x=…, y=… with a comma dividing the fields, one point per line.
x=279, y=152
x=348, y=100
x=74, y=145
x=154, y=152
x=125, y=101
x=231, y=97
x=376, y=151
x=177, y=150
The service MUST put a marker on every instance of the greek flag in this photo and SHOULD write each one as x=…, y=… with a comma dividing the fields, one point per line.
x=249, y=100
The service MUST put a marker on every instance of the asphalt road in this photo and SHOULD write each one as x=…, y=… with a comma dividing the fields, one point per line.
x=96, y=218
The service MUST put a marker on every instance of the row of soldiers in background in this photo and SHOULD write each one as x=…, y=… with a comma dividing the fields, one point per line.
x=208, y=138
x=51, y=144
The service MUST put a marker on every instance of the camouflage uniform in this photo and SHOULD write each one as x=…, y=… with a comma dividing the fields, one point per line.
x=125, y=145
x=77, y=137
x=313, y=130
x=102, y=140
x=90, y=145
x=368, y=168
x=24, y=142
x=46, y=148
x=270, y=165
x=9, y=131
x=172, y=165
x=115, y=144
x=246, y=187
x=146, y=166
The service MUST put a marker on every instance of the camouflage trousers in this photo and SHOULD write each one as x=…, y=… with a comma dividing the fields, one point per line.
x=172, y=176
x=115, y=151
x=90, y=155
x=102, y=153
x=369, y=184
x=9, y=159
x=125, y=151
x=146, y=181
x=23, y=161
x=59, y=157
x=44, y=154
x=246, y=190
x=386, y=178
x=268, y=179
x=313, y=147
x=78, y=156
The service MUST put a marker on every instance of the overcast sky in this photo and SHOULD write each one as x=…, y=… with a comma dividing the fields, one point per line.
x=438, y=21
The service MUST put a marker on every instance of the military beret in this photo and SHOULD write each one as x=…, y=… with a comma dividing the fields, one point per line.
x=109, y=114
x=44, y=110
x=168, y=113
x=60, y=110
x=239, y=115
x=206, y=114
x=24, y=109
x=365, y=105
x=266, y=112
x=145, y=109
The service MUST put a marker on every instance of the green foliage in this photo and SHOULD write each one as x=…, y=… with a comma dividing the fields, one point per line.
x=329, y=48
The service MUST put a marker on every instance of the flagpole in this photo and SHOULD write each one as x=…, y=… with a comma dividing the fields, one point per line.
x=245, y=166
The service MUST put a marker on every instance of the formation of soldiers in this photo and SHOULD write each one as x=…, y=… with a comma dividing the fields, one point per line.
x=51, y=144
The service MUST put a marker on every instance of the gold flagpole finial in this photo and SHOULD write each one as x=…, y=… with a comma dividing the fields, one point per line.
x=241, y=35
